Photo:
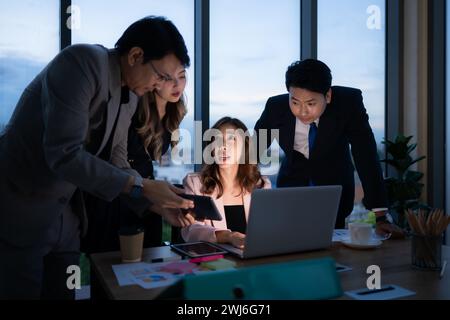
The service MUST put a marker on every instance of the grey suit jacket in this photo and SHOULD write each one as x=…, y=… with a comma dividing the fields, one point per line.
x=44, y=157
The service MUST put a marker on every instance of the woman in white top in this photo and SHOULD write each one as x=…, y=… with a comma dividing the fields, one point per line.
x=229, y=180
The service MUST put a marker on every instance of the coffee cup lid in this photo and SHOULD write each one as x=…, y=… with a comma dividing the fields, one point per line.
x=130, y=230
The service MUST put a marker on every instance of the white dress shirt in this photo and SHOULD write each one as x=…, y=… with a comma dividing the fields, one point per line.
x=301, y=142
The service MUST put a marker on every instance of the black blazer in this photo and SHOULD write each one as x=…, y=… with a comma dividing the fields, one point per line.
x=344, y=122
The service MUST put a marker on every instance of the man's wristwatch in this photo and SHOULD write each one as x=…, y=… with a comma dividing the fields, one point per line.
x=137, y=188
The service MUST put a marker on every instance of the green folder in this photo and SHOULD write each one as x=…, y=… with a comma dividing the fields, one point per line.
x=298, y=280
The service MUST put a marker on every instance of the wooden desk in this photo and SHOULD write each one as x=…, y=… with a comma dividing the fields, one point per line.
x=393, y=257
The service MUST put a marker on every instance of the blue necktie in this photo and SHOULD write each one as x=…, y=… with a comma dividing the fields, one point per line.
x=311, y=140
x=312, y=136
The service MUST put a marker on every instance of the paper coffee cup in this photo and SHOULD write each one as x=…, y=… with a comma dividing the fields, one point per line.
x=131, y=244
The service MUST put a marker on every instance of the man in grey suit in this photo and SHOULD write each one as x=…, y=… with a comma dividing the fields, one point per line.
x=68, y=134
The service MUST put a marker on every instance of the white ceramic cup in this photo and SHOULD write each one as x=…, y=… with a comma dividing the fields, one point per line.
x=360, y=233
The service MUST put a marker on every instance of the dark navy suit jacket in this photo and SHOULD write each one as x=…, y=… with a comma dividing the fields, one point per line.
x=344, y=123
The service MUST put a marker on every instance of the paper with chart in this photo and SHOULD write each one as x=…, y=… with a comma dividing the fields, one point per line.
x=152, y=275
x=155, y=275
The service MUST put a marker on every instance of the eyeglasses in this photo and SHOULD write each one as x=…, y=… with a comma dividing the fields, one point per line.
x=161, y=77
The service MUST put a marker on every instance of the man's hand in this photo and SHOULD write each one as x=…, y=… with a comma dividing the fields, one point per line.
x=163, y=194
x=174, y=216
x=385, y=228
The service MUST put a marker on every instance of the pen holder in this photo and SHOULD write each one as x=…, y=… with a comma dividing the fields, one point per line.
x=426, y=252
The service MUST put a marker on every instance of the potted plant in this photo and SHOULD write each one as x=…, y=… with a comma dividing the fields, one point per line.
x=404, y=189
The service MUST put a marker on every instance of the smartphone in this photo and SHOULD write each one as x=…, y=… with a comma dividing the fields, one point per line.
x=205, y=207
x=197, y=249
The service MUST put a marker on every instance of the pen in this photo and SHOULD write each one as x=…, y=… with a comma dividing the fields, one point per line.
x=375, y=291
x=165, y=259
x=441, y=275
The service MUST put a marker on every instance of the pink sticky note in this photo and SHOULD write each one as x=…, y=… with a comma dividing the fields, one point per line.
x=206, y=259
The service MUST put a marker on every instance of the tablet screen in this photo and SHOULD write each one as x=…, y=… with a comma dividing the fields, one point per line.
x=198, y=249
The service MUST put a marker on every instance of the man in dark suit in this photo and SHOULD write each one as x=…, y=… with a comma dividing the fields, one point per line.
x=317, y=125
x=68, y=134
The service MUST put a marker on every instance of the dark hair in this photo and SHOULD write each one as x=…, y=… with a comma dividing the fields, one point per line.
x=248, y=176
x=157, y=37
x=310, y=74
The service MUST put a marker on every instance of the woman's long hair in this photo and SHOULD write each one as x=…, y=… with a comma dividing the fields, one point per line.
x=152, y=129
x=248, y=176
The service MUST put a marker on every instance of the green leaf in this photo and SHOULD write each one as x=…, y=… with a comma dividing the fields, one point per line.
x=412, y=147
x=417, y=160
x=391, y=162
x=413, y=176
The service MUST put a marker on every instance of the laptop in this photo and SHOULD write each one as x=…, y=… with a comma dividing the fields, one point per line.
x=288, y=220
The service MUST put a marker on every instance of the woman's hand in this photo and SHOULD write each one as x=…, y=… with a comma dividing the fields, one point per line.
x=191, y=212
x=174, y=216
x=237, y=239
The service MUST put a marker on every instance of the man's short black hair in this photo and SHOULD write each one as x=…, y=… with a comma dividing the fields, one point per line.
x=157, y=37
x=309, y=74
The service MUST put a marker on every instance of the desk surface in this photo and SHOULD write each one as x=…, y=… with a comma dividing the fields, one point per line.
x=393, y=257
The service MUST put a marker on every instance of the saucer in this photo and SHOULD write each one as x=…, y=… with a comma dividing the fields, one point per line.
x=374, y=243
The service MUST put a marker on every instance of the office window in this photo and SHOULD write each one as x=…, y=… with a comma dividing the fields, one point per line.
x=351, y=41
x=447, y=189
x=29, y=39
x=102, y=22
x=252, y=43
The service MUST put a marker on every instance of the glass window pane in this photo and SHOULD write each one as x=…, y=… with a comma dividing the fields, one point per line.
x=448, y=115
x=252, y=44
x=351, y=41
x=103, y=23
x=29, y=39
